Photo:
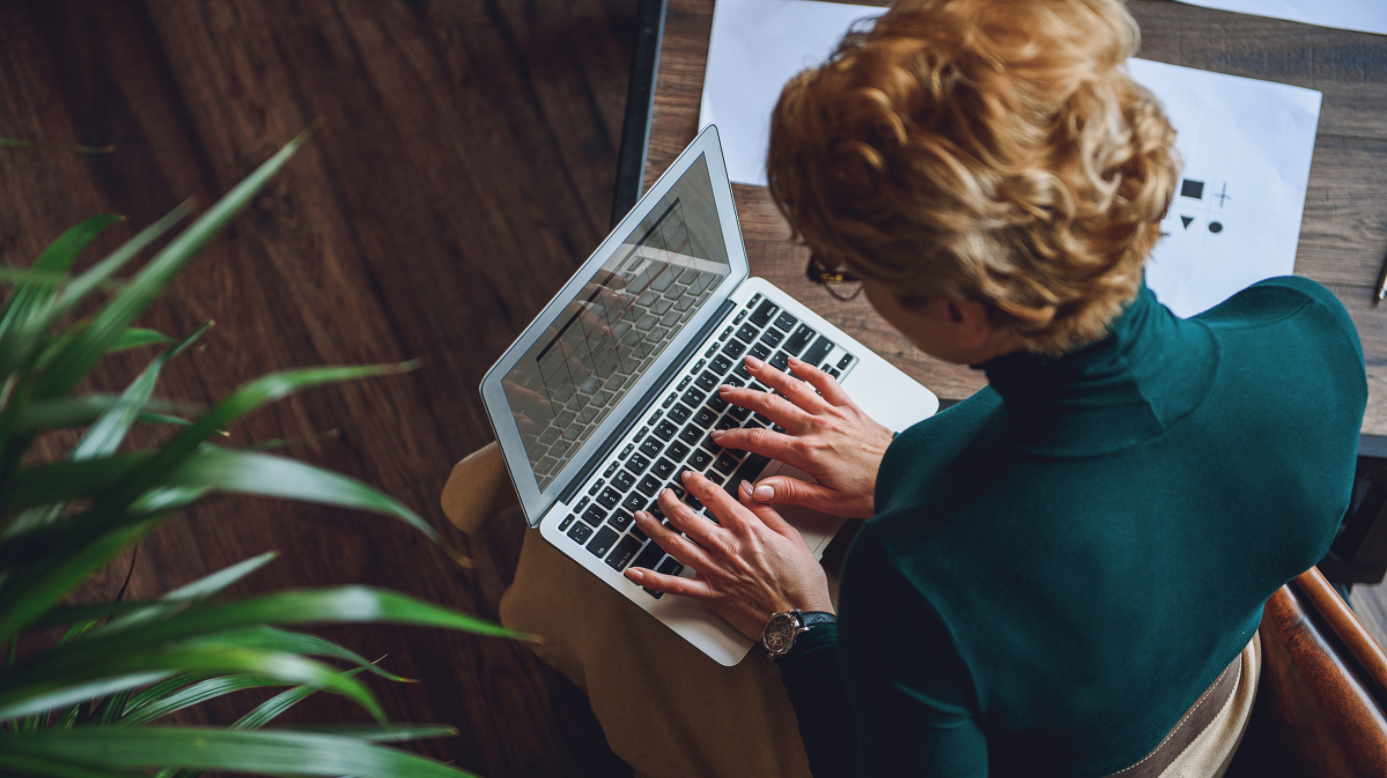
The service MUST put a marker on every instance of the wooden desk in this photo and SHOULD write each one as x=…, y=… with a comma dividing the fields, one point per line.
x=1343, y=237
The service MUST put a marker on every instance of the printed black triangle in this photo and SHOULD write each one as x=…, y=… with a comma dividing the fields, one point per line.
x=1185, y=220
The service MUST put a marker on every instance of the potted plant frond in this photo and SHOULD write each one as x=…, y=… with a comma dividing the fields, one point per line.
x=92, y=704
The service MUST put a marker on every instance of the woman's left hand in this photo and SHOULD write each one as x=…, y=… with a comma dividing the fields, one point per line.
x=749, y=566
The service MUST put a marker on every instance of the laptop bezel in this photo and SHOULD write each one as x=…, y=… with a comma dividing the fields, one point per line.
x=536, y=502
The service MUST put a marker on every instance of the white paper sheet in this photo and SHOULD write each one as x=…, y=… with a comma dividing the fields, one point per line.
x=1246, y=147
x=1364, y=15
x=1246, y=144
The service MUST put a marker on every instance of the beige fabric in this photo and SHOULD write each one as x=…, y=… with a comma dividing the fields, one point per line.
x=478, y=488
x=667, y=709
x=1211, y=753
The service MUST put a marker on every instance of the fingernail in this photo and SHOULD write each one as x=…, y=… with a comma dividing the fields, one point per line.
x=725, y=388
x=717, y=434
x=686, y=475
x=642, y=515
x=754, y=363
x=744, y=487
x=796, y=361
x=636, y=574
x=764, y=493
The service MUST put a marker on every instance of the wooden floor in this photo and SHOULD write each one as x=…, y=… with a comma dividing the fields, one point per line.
x=464, y=167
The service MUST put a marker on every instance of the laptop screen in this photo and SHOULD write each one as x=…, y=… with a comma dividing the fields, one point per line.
x=612, y=331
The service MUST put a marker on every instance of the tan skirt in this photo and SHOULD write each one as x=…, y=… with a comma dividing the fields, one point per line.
x=670, y=711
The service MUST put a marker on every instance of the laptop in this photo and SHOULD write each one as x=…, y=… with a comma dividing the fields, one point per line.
x=609, y=394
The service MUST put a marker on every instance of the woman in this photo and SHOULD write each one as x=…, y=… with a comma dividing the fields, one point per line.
x=1059, y=569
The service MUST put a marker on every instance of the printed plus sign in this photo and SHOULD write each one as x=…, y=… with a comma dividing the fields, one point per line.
x=1223, y=195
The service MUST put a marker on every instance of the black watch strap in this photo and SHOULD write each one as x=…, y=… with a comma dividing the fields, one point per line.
x=811, y=619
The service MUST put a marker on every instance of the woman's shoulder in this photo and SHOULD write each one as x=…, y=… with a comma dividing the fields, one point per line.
x=1289, y=302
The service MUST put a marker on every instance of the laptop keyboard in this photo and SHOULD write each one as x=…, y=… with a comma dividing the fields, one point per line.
x=673, y=436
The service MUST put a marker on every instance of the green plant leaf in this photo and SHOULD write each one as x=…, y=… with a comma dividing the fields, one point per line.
x=55, y=672
x=109, y=431
x=201, y=589
x=17, y=143
x=194, y=695
x=78, y=356
x=44, y=415
x=271, y=639
x=69, y=614
x=24, y=764
x=78, y=693
x=134, y=337
x=101, y=272
x=279, y=752
x=392, y=733
x=161, y=690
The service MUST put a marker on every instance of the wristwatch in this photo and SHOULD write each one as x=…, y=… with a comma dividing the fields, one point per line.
x=781, y=631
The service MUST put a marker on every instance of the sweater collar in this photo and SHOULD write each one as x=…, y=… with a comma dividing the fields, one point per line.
x=1150, y=371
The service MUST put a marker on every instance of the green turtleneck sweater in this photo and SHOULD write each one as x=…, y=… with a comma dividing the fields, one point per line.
x=1061, y=564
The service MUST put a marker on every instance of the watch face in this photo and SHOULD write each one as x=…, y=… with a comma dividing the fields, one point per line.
x=779, y=634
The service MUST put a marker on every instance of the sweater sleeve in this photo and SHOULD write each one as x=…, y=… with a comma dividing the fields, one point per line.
x=910, y=690
x=815, y=687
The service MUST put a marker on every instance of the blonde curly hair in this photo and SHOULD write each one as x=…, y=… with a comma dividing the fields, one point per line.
x=986, y=150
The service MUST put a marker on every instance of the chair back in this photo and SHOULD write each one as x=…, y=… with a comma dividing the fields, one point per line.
x=1321, y=706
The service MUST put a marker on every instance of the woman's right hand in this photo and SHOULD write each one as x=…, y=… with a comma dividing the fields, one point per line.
x=826, y=436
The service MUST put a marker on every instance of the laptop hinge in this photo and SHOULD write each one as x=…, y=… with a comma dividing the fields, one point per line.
x=599, y=456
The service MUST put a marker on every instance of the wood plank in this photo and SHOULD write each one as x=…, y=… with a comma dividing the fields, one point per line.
x=464, y=168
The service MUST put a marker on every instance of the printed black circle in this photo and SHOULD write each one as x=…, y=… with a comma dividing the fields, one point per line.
x=1215, y=227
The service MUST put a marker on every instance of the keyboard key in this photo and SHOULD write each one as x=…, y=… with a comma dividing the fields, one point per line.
x=677, y=451
x=583, y=503
x=746, y=333
x=602, y=541
x=649, y=556
x=649, y=485
x=693, y=398
x=721, y=364
x=760, y=350
x=704, y=418
x=725, y=464
x=781, y=360
x=637, y=464
x=622, y=554
x=609, y=497
x=835, y=372
x=651, y=447
x=595, y=516
x=772, y=337
x=664, y=469
x=679, y=413
x=653, y=593
x=845, y=361
x=734, y=380
x=734, y=349
x=633, y=502
x=668, y=401
x=700, y=460
x=600, y=483
x=818, y=351
x=670, y=566
x=666, y=429
x=693, y=502
x=691, y=434
x=580, y=532
x=610, y=469
x=785, y=321
x=626, y=452
x=717, y=404
x=727, y=423
x=566, y=522
x=739, y=413
x=623, y=481
x=765, y=313
x=621, y=520
x=800, y=339
x=707, y=381
x=750, y=468
x=740, y=371
x=637, y=534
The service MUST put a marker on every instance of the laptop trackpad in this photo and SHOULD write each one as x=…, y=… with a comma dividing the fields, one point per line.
x=816, y=528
